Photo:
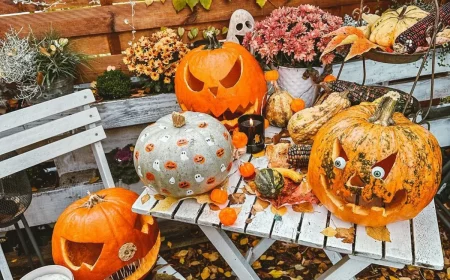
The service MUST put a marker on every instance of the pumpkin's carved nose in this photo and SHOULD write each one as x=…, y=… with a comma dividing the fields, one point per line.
x=213, y=90
x=355, y=183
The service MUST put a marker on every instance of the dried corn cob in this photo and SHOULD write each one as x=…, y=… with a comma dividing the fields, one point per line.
x=416, y=36
x=298, y=155
x=358, y=93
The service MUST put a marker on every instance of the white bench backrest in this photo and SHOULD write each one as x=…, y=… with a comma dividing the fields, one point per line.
x=72, y=112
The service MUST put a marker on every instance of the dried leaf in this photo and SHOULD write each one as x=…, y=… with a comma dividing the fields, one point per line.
x=227, y=274
x=305, y=207
x=194, y=263
x=140, y=93
x=299, y=267
x=379, y=233
x=236, y=198
x=220, y=270
x=94, y=180
x=348, y=234
x=214, y=207
x=329, y=232
x=280, y=211
x=248, y=220
x=212, y=257
x=238, y=210
x=148, y=2
x=270, y=258
x=205, y=273
x=182, y=253
x=34, y=189
x=159, y=197
x=234, y=236
x=243, y=241
x=145, y=198
x=257, y=265
x=169, y=244
x=276, y=273
x=248, y=189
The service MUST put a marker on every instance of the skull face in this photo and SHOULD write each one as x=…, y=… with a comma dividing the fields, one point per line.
x=241, y=23
x=373, y=175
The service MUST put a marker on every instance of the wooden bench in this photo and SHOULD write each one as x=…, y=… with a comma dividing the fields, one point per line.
x=415, y=242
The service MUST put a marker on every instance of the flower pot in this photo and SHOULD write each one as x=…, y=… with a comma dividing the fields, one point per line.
x=291, y=79
x=57, y=89
x=50, y=272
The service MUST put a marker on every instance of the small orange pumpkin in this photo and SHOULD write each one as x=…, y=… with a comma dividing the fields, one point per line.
x=219, y=196
x=228, y=216
x=271, y=75
x=297, y=105
x=247, y=169
x=329, y=78
x=239, y=139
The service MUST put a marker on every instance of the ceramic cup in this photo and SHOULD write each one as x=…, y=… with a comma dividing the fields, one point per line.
x=48, y=270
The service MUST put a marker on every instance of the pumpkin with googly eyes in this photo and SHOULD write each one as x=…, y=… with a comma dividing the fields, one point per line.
x=183, y=154
x=371, y=166
x=223, y=80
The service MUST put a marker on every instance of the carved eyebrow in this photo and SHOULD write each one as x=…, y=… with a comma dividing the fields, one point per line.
x=338, y=150
x=234, y=75
x=386, y=164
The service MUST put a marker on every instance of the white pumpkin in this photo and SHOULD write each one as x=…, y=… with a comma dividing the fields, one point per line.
x=183, y=154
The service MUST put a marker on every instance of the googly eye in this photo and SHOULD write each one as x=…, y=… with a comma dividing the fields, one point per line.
x=378, y=172
x=340, y=163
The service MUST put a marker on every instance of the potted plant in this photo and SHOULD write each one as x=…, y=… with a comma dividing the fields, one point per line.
x=156, y=59
x=57, y=66
x=292, y=40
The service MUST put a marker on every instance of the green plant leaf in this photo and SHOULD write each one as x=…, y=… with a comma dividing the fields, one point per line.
x=190, y=36
x=204, y=34
x=261, y=3
x=194, y=31
x=148, y=2
x=180, y=31
x=192, y=3
x=206, y=3
x=179, y=4
x=163, y=28
x=224, y=30
x=217, y=31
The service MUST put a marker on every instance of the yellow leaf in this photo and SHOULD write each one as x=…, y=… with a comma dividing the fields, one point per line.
x=329, y=231
x=261, y=3
x=234, y=236
x=448, y=273
x=270, y=258
x=14, y=260
x=93, y=180
x=145, y=198
x=227, y=274
x=220, y=270
x=393, y=278
x=194, y=263
x=263, y=257
x=280, y=262
x=349, y=40
x=243, y=241
x=169, y=244
x=211, y=257
x=205, y=273
x=256, y=265
x=348, y=234
x=182, y=253
x=280, y=211
x=148, y=2
x=276, y=273
x=163, y=238
x=34, y=189
x=379, y=233
x=236, y=198
x=305, y=207
x=182, y=260
x=255, y=242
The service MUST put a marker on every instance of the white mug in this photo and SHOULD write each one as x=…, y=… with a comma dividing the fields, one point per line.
x=47, y=270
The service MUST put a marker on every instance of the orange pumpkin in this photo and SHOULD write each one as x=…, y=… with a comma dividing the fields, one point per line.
x=271, y=75
x=297, y=105
x=228, y=216
x=98, y=236
x=382, y=160
x=219, y=196
x=223, y=80
x=239, y=139
x=329, y=78
x=247, y=169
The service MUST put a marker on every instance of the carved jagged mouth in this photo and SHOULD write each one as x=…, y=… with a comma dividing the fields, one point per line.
x=230, y=118
x=357, y=204
x=125, y=271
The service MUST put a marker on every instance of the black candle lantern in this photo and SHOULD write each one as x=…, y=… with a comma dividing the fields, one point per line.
x=253, y=127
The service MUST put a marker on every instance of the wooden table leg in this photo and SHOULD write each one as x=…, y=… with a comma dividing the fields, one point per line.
x=345, y=269
x=230, y=253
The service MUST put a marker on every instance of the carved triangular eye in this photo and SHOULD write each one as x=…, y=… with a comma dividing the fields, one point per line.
x=233, y=76
x=381, y=169
x=193, y=83
x=339, y=156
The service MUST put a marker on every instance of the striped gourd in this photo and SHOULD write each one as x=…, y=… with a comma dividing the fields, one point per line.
x=416, y=35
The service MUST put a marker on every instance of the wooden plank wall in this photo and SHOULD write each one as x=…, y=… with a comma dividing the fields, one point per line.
x=101, y=30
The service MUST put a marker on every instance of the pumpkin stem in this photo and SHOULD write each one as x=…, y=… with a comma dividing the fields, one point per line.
x=402, y=13
x=213, y=42
x=178, y=119
x=93, y=200
x=385, y=110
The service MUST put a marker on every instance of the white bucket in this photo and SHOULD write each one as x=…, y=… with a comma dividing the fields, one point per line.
x=47, y=271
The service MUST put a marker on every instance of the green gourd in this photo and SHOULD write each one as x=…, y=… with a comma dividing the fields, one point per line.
x=269, y=182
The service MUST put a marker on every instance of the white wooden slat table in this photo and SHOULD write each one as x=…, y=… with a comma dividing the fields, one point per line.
x=422, y=249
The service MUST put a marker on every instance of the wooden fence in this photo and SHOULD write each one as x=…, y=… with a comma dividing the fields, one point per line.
x=101, y=31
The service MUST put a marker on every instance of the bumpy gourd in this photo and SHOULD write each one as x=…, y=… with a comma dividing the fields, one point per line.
x=304, y=125
x=269, y=182
x=278, y=108
x=183, y=154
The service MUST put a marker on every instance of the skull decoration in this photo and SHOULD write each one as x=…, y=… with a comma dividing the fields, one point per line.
x=371, y=166
x=223, y=80
x=98, y=237
x=191, y=161
x=241, y=23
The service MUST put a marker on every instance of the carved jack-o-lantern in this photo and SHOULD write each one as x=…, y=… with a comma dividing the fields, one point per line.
x=98, y=237
x=241, y=23
x=371, y=167
x=223, y=80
